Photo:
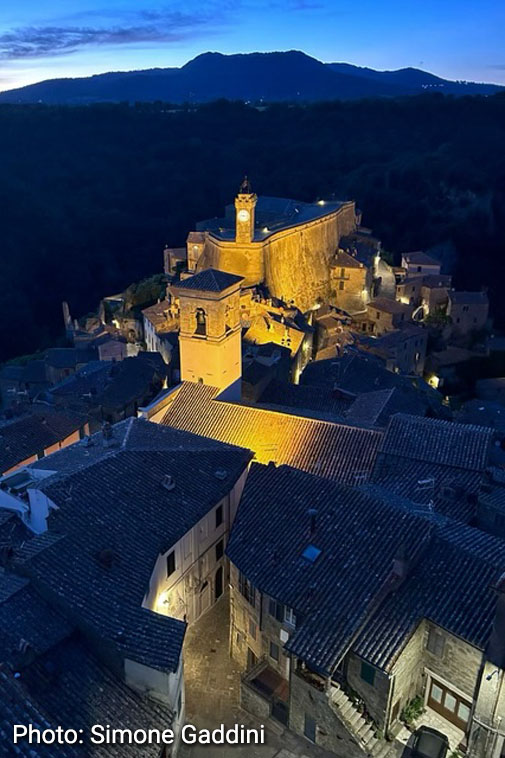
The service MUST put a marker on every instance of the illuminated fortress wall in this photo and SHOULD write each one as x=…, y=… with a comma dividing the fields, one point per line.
x=293, y=262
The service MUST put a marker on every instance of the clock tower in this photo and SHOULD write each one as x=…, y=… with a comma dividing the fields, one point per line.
x=245, y=203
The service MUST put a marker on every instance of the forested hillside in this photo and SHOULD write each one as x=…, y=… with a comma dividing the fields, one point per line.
x=89, y=195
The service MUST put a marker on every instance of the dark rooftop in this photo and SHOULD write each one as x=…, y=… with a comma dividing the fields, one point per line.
x=116, y=503
x=468, y=298
x=333, y=595
x=272, y=214
x=209, y=280
x=437, y=441
x=28, y=435
x=68, y=686
x=419, y=258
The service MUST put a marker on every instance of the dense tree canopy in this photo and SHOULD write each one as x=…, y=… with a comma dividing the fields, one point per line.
x=89, y=195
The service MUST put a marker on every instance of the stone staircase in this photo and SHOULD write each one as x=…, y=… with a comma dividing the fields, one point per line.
x=362, y=730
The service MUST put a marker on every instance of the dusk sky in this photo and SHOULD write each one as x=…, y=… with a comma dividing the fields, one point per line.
x=457, y=39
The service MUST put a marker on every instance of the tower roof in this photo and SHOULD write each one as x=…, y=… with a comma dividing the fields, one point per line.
x=210, y=280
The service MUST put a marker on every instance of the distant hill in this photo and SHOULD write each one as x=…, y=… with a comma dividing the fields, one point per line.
x=254, y=77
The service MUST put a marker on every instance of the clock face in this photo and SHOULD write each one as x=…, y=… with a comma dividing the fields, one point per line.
x=243, y=215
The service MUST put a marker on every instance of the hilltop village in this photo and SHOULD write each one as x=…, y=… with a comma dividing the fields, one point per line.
x=298, y=443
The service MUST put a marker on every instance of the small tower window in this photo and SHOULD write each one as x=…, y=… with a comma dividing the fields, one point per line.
x=201, y=321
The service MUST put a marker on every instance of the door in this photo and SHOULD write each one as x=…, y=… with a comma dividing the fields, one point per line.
x=449, y=704
x=218, y=585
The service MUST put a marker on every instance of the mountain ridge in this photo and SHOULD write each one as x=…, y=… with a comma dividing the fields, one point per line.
x=290, y=76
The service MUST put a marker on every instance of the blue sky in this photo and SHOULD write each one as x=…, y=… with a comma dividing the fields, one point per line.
x=41, y=39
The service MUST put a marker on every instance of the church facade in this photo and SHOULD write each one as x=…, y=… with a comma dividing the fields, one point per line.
x=284, y=244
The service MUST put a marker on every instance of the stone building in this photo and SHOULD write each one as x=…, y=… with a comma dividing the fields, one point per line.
x=210, y=329
x=435, y=292
x=408, y=290
x=406, y=606
x=384, y=315
x=402, y=350
x=420, y=264
x=161, y=325
x=130, y=543
x=285, y=244
x=351, y=282
x=468, y=311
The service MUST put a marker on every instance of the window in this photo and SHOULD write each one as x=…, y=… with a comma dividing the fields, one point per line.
x=252, y=629
x=40, y=454
x=171, y=563
x=289, y=616
x=219, y=550
x=179, y=704
x=341, y=285
x=201, y=322
x=274, y=651
x=377, y=314
x=368, y=673
x=309, y=728
x=465, y=309
x=276, y=609
x=419, y=269
x=246, y=589
x=342, y=272
x=219, y=515
x=435, y=643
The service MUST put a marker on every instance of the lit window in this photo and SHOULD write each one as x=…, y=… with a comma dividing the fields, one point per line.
x=289, y=616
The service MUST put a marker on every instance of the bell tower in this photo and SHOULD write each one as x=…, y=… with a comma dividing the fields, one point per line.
x=245, y=203
x=210, y=330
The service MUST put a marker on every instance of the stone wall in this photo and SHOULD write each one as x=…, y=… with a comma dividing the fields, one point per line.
x=244, y=618
x=294, y=263
x=407, y=674
x=459, y=664
x=331, y=734
x=348, y=292
x=376, y=696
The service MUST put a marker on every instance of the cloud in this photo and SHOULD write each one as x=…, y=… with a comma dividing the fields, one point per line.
x=497, y=66
x=145, y=27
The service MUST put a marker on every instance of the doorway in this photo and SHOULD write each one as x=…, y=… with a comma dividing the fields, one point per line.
x=218, y=585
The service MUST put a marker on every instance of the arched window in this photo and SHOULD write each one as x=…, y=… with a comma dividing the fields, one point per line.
x=201, y=321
